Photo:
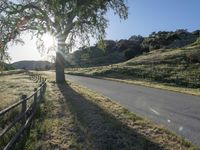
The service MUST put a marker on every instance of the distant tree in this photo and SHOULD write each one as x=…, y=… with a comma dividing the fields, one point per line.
x=144, y=49
x=137, y=39
x=130, y=53
x=110, y=46
x=181, y=31
x=4, y=57
x=47, y=67
x=162, y=39
x=123, y=45
x=66, y=19
x=196, y=32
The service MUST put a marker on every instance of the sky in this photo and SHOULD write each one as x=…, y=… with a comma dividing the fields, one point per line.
x=145, y=17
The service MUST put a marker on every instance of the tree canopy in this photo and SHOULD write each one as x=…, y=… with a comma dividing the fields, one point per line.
x=69, y=18
x=65, y=19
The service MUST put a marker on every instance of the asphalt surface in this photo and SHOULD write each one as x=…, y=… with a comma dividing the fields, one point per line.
x=176, y=111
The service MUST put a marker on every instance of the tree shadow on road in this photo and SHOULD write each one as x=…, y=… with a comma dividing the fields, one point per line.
x=101, y=130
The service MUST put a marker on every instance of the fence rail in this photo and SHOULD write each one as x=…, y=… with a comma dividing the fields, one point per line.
x=27, y=111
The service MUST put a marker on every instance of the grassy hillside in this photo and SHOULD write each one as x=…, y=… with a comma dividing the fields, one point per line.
x=111, y=52
x=174, y=67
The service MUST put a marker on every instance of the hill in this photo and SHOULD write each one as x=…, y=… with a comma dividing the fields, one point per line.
x=33, y=65
x=171, y=66
x=110, y=52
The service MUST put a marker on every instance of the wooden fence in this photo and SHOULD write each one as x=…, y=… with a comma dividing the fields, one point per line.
x=27, y=111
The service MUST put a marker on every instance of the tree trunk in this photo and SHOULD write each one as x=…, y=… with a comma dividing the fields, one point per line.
x=60, y=63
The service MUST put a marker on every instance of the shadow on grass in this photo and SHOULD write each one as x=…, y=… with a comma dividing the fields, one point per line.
x=20, y=143
x=27, y=137
x=101, y=130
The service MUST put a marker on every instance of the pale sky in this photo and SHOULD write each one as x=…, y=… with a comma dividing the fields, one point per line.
x=28, y=51
x=145, y=16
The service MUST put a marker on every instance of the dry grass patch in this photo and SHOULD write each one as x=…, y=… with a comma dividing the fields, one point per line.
x=55, y=126
x=13, y=86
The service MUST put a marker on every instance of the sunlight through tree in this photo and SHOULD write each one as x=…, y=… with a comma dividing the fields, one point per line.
x=63, y=19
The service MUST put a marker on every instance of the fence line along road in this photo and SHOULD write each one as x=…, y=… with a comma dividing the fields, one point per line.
x=28, y=111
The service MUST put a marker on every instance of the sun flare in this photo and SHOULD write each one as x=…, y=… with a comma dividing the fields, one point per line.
x=49, y=40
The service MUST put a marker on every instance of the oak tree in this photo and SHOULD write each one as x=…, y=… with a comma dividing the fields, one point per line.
x=67, y=20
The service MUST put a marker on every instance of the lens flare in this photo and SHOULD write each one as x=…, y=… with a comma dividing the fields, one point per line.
x=49, y=40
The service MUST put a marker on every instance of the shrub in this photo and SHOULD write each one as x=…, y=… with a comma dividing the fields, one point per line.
x=194, y=57
x=130, y=53
x=145, y=49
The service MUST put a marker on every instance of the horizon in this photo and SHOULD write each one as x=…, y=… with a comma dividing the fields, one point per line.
x=144, y=18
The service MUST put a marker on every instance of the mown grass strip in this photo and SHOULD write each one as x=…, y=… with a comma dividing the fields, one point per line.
x=156, y=134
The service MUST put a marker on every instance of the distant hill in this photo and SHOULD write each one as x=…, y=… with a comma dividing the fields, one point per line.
x=111, y=52
x=33, y=65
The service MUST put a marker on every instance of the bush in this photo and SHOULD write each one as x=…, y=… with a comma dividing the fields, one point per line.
x=130, y=53
x=145, y=49
x=194, y=57
x=163, y=39
x=110, y=46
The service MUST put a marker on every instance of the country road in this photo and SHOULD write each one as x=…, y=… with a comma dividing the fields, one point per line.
x=176, y=111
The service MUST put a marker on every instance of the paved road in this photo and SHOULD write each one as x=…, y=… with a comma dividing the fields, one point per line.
x=178, y=112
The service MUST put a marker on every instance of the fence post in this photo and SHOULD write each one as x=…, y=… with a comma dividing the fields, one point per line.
x=35, y=78
x=45, y=86
x=24, y=104
x=41, y=91
x=35, y=100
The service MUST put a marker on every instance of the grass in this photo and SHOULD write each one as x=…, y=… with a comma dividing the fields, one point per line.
x=168, y=69
x=13, y=86
x=17, y=71
x=55, y=127
x=74, y=117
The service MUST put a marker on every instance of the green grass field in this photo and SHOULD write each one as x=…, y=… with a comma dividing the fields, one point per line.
x=165, y=68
